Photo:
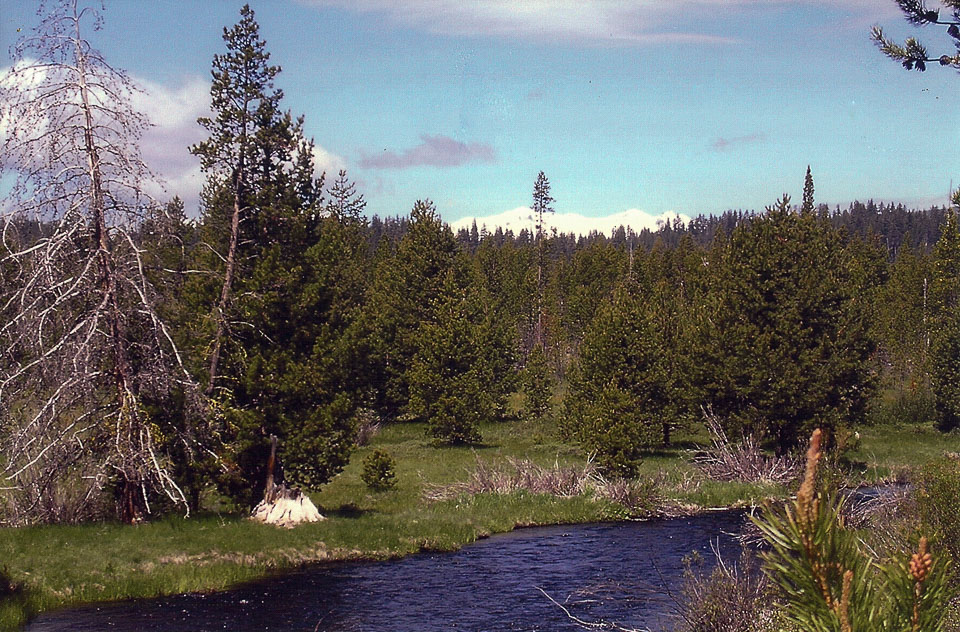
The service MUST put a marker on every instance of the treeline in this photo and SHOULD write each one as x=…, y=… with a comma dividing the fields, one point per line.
x=790, y=321
x=894, y=225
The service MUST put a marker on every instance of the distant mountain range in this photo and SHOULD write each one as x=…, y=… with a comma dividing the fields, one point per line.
x=522, y=218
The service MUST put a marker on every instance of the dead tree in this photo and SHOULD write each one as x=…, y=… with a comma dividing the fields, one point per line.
x=82, y=350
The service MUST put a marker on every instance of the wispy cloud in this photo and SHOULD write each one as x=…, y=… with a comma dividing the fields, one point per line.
x=597, y=22
x=433, y=151
x=727, y=144
x=616, y=22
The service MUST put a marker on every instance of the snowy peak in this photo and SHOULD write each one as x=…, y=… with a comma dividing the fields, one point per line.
x=522, y=218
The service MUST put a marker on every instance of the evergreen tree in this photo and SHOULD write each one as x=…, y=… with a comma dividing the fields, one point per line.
x=945, y=354
x=945, y=285
x=785, y=347
x=913, y=55
x=808, y=204
x=241, y=147
x=406, y=289
x=285, y=349
x=537, y=385
x=542, y=204
x=446, y=377
x=345, y=203
x=617, y=394
x=945, y=373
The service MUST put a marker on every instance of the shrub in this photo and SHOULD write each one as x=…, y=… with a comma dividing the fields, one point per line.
x=379, y=471
x=938, y=502
x=743, y=461
x=731, y=598
x=915, y=404
x=829, y=584
x=368, y=426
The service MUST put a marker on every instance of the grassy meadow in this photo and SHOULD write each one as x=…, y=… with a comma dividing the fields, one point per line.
x=58, y=566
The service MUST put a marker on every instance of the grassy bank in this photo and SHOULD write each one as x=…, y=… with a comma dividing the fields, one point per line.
x=56, y=566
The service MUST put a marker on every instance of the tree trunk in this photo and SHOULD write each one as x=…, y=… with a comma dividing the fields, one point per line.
x=226, y=290
x=126, y=427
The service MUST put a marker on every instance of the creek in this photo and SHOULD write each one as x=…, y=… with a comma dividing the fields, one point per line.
x=629, y=572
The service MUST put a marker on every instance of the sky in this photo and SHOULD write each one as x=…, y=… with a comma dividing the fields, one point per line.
x=686, y=106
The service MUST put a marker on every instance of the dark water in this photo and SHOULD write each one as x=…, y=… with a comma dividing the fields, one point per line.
x=622, y=572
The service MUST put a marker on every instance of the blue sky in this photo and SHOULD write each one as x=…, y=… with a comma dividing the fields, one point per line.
x=694, y=106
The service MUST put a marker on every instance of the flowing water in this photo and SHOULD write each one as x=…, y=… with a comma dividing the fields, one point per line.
x=630, y=573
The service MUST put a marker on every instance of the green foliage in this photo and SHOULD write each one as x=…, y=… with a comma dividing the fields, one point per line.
x=379, y=471
x=938, y=501
x=808, y=202
x=537, y=385
x=455, y=377
x=785, y=346
x=904, y=322
x=945, y=286
x=407, y=288
x=290, y=350
x=945, y=374
x=619, y=388
x=913, y=55
x=830, y=585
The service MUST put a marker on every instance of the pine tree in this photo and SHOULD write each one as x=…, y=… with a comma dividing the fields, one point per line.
x=945, y=284
x=345, y=203
x=785, y=346
x=283, y=357
x=945, y=373
x=445, y=378
x=542, y=204
x=616, y=395
x=407, y=285
x=808, y=204
x=913, y=55
x=238, y=152
x=537, y=385
x=945, y=294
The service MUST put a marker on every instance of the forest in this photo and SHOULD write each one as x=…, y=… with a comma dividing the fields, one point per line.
x=156, y=358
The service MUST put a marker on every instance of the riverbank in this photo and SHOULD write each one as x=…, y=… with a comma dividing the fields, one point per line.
x=58, y=566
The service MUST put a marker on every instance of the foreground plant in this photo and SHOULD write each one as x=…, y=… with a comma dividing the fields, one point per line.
x=829, y=584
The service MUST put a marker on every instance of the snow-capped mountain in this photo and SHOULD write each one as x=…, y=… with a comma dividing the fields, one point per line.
x=522, y=218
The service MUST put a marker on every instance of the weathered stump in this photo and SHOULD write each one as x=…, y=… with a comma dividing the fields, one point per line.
x=287, y=508
x=280, y=506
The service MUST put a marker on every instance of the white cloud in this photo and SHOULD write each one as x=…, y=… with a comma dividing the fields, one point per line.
x=173, y=112
x=522, y=218
x=327, y=162
x=615, y=22
x=597, y=21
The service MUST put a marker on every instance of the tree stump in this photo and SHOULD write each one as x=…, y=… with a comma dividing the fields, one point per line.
x=281, y=506
x=287, y=508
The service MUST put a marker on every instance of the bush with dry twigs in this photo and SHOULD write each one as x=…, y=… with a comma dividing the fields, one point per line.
x=744, y=461
x=637, y=495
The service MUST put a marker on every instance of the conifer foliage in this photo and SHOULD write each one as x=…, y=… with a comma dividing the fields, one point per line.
x=616, y=395
x=280, y=357
x=785, y=347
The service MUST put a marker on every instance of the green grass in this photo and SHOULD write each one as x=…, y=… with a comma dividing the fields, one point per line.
x=889, y=452
x=58, y=566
